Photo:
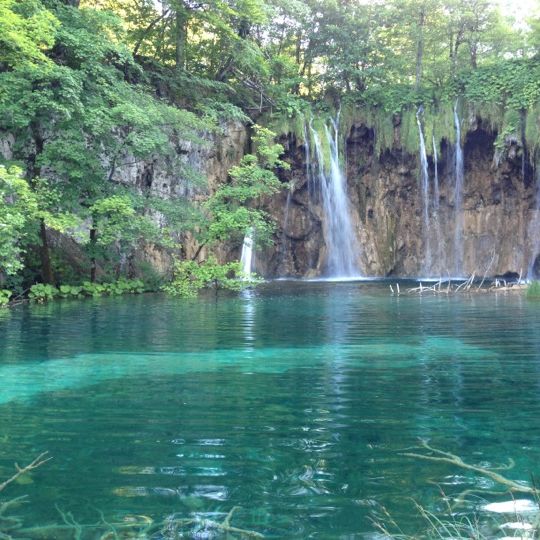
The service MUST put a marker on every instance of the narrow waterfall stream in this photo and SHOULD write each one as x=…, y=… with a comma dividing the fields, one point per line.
x=458, y=198
x=246, y=258
x=424, y=180
x=341, y=243
x=438, y=252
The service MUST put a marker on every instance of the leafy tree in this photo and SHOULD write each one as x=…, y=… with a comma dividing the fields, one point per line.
x=189, y=277
x=81, y=109
x=28, y=32
x=231, y=212
x=18, y=208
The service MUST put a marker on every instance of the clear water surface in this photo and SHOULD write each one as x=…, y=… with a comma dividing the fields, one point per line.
x=292, y=402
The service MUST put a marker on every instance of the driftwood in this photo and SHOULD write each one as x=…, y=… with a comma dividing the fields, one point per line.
x=447, y=287
x=8, y=522
x=434, y=454
x=38, y=462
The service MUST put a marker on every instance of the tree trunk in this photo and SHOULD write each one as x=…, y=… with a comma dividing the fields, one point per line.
x=33, y=172
x=93, y=242
x=47, y=275
x=181, y=37
x=474, y=55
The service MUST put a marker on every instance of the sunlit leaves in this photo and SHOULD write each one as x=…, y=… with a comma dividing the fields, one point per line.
x=18, y=208
x=27, y=31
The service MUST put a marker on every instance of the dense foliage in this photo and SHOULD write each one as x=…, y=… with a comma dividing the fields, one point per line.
x=88, y=87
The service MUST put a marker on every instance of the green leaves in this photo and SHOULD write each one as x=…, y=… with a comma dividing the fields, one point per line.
x=27, y=33
x=18, y=210
x=230, y=208
x=41, y=293
x=189, y=277
x=5, y=296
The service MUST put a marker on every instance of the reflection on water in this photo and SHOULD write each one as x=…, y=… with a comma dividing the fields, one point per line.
x=292, y=401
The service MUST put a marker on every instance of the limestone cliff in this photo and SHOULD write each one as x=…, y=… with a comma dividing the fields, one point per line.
x=499, y=214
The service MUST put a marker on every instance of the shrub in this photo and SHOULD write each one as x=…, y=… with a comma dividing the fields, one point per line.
x=5, y=295
x=189, y=277
x=70, y=291
x=93, y=289
x=124, y=286
x=42, y=292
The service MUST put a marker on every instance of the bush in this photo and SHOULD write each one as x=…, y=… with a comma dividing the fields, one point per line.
x=42, y=292
x=124, y=286
x=116, y=288
x=189, y=277
x=5, y=295
x=70, y=291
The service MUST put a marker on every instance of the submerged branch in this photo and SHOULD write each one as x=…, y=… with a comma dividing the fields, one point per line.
x=447, y=457
x=40, y=460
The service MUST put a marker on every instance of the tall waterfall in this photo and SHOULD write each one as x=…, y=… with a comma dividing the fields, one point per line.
x=424, y=177
x=246, y=259
x=341, y=244
x=438, y=254
x=458, y=198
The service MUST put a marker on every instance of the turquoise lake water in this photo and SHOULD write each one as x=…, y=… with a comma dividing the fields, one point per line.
x=293, y=402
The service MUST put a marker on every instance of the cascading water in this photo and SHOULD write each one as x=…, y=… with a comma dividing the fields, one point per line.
x=246, y=258
x=341, y=243
x=438, y=254
x=458, y=198
x=424, y=177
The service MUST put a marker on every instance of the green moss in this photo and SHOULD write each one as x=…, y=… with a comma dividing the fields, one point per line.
x=532, y=129
x=437, y=124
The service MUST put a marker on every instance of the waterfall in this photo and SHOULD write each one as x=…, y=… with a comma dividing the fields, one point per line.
x=246, y=259
x=424, y=176
x=439, y=254
x=341, y=244
x=458, y=198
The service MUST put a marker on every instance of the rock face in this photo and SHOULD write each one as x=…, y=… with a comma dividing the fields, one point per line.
x=499, y=215
x=500, y=205
x=193, y=171
x=189, y=170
